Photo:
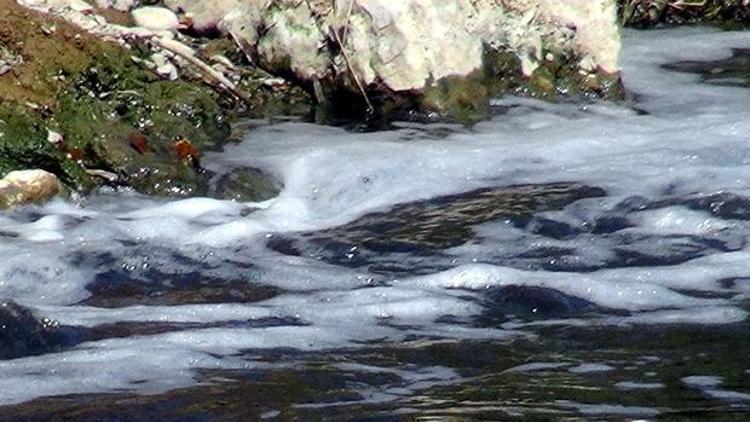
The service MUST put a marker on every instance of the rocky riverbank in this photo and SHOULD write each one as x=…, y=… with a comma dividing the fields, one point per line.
x=93, y=110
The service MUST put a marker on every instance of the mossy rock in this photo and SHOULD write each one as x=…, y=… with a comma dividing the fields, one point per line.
x=467, y=99
x=245, y=184
x=97, y=97
x=729, y=14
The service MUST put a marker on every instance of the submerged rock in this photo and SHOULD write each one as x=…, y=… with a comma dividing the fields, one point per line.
x=731, y=71
x=20, y=187
x=22, y=334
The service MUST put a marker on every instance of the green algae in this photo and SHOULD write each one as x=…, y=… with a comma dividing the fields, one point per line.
x=23, y=145
x=467, y=99
x=97, y=96
x=93, y=94
x=246, y=184
x=727, y=14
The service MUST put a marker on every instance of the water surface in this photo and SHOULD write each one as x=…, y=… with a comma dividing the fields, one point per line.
x=560, y=260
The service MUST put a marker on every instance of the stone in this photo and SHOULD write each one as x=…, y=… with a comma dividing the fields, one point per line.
x=8, y=60
x=382, y=47
x=55, y=139
x=81, y=6
x=25, y=186
x=155, y=18
x=21, y=334
x=164, y=67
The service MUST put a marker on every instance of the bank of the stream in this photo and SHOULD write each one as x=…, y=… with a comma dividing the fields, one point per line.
x=86, y=110
x=92, y=112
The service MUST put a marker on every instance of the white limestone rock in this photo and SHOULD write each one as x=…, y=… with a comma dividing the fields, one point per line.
x=155, y=18
x=406, y=44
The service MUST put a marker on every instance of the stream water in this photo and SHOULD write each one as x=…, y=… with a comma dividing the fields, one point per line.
x=560, y=260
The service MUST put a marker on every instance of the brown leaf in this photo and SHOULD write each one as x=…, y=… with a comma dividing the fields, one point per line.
x=75, y=154
x=186, y=151
x=139, y=142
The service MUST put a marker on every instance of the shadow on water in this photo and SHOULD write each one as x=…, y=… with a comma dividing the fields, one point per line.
x=733, y=72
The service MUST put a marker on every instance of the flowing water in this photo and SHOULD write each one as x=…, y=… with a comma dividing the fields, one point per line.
x=558, y=261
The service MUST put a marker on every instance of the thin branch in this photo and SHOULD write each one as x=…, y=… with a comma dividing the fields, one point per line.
x=349, y=66
x=208, y=72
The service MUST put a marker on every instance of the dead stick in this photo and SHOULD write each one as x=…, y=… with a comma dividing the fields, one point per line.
x=207, y=70
x=336, y=37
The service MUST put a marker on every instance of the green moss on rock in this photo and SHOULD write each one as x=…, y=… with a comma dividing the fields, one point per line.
x=96, y=95
x=730, y=14
x=23, y=145
x=466, y=99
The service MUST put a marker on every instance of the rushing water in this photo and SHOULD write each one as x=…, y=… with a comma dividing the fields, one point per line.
x=558, y=260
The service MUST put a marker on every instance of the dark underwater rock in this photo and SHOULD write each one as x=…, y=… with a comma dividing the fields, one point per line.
x=23, y=334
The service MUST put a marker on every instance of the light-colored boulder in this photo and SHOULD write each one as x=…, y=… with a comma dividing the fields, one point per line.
x=403, y=45
x=595, y=21
x=164, y=67
x=155, y=18
x=24, y=186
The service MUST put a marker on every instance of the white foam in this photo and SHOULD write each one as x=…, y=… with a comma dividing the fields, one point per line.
x=97, y=370
x=674, y=220
x=587, y=368
x=702, y=381
x=622, y=294
x=537, y=366
x=610, y=409
x=206, y=313
x=709, y=385
x=635, y=385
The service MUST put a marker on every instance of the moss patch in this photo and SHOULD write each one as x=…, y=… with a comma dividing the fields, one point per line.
x=467, y=99
x=98, y=98
x=94, y=95
x=730, y=14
